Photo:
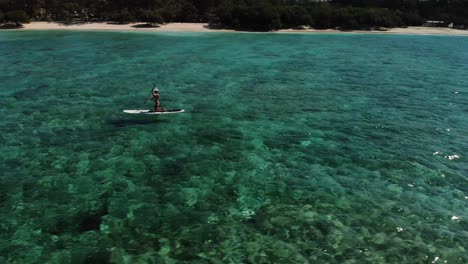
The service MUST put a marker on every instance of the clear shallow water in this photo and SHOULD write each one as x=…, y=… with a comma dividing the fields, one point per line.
x=293, y=148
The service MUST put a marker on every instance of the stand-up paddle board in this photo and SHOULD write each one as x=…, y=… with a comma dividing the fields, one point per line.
x=149, y=112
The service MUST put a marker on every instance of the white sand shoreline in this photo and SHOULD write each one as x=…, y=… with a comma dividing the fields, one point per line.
x=203, y=27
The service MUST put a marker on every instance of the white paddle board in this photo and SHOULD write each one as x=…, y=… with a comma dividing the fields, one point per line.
x=149, y=112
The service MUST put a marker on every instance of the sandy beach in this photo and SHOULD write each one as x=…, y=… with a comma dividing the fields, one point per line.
x=203, y=27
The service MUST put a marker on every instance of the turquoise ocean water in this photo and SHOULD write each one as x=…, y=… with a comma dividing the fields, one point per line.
x=294, y=148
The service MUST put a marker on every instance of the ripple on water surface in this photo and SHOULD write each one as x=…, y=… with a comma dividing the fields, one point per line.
x=293, y=148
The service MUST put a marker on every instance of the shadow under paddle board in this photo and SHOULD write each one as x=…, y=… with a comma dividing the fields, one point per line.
x=149, y=112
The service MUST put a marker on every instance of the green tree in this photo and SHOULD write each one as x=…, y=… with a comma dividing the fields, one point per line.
x=2, y=16
x=261, y=15
x=411, y=18
x=186, y=12
x=224, y=14
x=152, y=17
x=296, y=15
x=206, y=8
x=123, y=16
x=17, y=16
x=322, y=16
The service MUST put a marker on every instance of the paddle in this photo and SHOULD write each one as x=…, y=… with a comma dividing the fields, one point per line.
x=149, y=94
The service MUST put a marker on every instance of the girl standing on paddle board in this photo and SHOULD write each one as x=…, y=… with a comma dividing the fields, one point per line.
x=157, y=104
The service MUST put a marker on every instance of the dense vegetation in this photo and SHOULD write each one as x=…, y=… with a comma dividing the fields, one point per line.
x=244, y=14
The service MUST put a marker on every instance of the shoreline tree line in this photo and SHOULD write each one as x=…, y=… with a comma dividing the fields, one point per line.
x=259, y=15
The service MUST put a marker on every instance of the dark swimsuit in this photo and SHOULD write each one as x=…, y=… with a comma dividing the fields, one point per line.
x=156, y=101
